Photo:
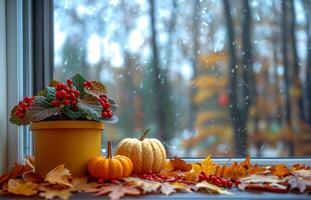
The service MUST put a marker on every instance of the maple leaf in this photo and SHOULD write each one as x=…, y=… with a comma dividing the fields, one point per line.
x=168, y=166
x=179, y=164
x=81, y=185
x=19, y=187
x=18, y=170
x=183, y=187
x=59, y=175
x=194, y=173
x=256, y=169
x=211, y=188
x=117, y=191
x=208, y=166
x=50, y=192
x=268, y=183
x=30, y=161
x=301, y=179
x=279, y=170
x=167, y=188
x=32, y=177
x=147, y=186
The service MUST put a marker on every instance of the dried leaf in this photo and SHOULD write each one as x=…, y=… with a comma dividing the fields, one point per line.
x=117, y=191
x=32, y=177
x=147, y=186
x=301, y=179
x=183, y=187
x=19, y=187
x=167, y=188
x=279, y=170
x=261, y=182
x=210, y=188
x=168, y=166
x=49, y=192
x=59, y=175
x=81, y=185
x=30, y=161
x=193, y=174
x=179, y=164
x=208, y=166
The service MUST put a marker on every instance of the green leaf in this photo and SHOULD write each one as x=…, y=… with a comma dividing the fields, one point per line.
x=91, y=110
x=97, y=89
x=113, y=105
x=38, y=111
x=73, y=114
x=112, y=120
x=90, y=99
x=78, y=81
x=50, y=93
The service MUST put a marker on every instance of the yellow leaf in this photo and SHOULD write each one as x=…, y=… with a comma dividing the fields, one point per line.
x=168, y=166
x=210, y=188
x=182, y=186
x=20, y=187
x=208, y=166
x=49, y=192
x=59, y=175
x=194, y=173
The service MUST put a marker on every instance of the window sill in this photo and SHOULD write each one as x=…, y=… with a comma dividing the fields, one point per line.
x=197, y=195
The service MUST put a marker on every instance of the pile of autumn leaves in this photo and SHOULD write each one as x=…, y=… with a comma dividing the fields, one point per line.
x=176, y=176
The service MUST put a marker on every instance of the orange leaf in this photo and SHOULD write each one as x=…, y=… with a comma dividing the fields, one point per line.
x=20, y=187
x=279, y=170
x=32, y=177
x=50, y=192
x=168, y=166
x=208, y=166
x=193, y=175
x=59, y=175
x=179, y=164
x=117, y=191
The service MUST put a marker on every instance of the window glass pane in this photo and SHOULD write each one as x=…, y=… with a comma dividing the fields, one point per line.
x=225, y=78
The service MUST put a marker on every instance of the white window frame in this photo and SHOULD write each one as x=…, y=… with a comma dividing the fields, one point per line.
x=3, y=102
x=16, y=77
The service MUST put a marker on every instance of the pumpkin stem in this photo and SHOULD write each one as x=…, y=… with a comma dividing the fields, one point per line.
x=145, y=134
x=109, y=155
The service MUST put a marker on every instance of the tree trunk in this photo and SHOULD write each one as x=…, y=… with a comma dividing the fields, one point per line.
x=308, y=69
x=287, y=83
x=159, y=81
x=237, y=119
x=297, y=96
x=196, y=47
x=284, y=30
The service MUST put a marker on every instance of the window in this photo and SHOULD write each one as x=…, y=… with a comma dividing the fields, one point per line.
x=226, y=78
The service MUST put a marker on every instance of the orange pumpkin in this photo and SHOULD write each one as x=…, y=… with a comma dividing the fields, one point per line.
x=110, y=168
x=147, y=154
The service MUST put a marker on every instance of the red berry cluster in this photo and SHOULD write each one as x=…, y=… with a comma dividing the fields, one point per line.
x=65, y=94
x=221, y=182
x=101, y=181
x=104, y=102
x=159, y=177
x=88, y=84
x=23, y=106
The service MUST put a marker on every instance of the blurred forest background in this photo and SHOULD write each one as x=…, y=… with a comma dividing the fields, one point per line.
x=220, y=77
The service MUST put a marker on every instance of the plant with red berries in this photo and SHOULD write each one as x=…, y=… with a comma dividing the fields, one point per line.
x=78, y=98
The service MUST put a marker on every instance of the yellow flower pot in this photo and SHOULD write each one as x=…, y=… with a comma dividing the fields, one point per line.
x=72, y=143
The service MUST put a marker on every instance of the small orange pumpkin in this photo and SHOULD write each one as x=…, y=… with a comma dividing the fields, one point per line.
x=110, y=168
